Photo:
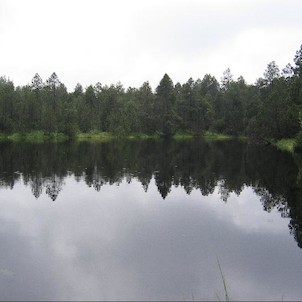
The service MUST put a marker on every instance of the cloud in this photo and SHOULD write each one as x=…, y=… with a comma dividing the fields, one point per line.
x=135, y=41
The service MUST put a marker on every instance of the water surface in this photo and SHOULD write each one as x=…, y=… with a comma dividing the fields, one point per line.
x=149, y=221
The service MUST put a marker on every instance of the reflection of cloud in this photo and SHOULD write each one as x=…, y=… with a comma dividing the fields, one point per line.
x=6, y=272
x=121, y=243
x=246, y=213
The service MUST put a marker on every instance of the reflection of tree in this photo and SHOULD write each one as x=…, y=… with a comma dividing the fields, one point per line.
x=271, y=201
x=53, y=186
x=191, y=165
x=145, y=181
x=163, y=184
x=295, y=224
x=164, y=166
x=223, y=191
x=294, y=200
x=95, y=179
x=227, y=166
x=36, y=184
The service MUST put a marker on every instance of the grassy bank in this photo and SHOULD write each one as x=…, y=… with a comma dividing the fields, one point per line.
x=94, y=136
x=106, y=136
x=216, y=136
x=97, y=136
x=34, y=137
x=180, y=136
x=207, y=135
x=287, y=145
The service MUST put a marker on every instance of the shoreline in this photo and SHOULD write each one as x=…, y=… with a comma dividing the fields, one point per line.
x=42, y=137
x=284, y=145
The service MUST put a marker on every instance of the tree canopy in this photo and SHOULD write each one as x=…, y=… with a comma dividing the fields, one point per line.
x=270, y=108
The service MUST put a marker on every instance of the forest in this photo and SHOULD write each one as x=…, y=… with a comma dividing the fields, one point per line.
x=270, y=108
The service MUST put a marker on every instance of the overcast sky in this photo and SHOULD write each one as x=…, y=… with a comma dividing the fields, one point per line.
x=133, y=41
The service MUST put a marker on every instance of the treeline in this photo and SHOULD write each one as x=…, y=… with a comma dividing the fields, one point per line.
x=270, y=108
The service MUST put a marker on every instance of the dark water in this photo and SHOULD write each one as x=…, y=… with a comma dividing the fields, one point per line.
x=149, y=221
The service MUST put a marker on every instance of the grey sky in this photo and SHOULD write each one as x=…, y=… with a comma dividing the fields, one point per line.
x=135, y=41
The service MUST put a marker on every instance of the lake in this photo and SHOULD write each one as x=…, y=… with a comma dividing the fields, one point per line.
x=149, y=220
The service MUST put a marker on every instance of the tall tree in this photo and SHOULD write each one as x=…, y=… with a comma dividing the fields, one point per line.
x=7, y=105
x=36, y=83
x=165, y=102
x=226, y=80
x=53, y=94
x=298, y=63
x=272, y=72
x=148, y=115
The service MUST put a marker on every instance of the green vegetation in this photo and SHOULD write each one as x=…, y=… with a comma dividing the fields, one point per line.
x=179, y=136
x=106, y=136
x=15, y=137
x=3, y=137
x=94, y=136
x=288, y=145
x=141, y=136
x=34, y=137
x=270, y=108
x=217, y=136
x=97, y=136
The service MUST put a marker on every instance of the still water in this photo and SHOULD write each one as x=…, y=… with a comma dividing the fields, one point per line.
x=149, y=221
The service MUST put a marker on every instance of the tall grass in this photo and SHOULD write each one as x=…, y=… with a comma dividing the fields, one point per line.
x=35, y=137
x=227, y=298
x=286, y=144
x=179, y=136
x=94, y=136
x=216, y=136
